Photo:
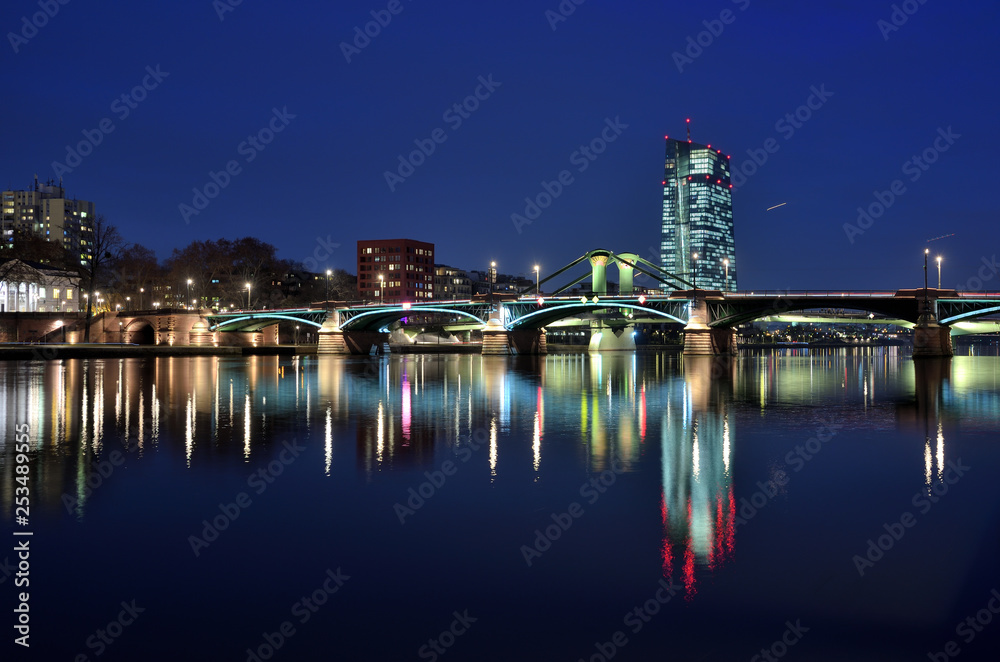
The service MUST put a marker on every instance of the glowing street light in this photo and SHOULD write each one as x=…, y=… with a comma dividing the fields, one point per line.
x=939, y=271
x=248, y=296
x=328, y=274
x=536, y=280
x=725, y=263
x=381, y=289
x=491, y=276
x=695, y=278
x=128, y=303
x=141, y=291
x=189, y=287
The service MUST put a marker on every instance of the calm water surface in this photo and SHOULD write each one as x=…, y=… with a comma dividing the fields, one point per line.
x=527, y=508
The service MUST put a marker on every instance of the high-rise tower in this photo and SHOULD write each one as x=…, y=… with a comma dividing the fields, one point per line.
x=697, y=216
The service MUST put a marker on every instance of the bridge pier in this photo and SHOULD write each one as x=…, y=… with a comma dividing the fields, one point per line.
x=700, y=339
x=603, y=338
x=498, y=340
x=930, y=339
x=200, y=336
x=335, y=341
x=331, y=341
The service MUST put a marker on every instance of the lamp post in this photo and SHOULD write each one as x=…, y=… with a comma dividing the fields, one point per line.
x=381, y=289
x=926, y=251
x=128, y=303
x=725, y=263
x=248, y=296
x=491, y=276
x=694, y=256
x=328, y=274
x=939, y=271
x=536, y=280
x=189, y=287
x=141, y=291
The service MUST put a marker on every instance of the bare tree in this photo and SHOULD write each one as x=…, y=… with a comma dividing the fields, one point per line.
x=107, y=247
x=138, y=269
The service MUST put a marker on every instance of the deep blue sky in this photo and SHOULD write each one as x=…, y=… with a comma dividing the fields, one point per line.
x=323, y=175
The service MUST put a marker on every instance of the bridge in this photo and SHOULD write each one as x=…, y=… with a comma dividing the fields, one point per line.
x=516, y=323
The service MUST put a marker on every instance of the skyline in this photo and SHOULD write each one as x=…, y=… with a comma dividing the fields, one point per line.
x=508, y=103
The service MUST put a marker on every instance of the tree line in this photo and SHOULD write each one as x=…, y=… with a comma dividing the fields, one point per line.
x=220, y=274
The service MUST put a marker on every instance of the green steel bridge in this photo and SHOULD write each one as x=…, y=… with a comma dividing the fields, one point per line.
x=709, y=313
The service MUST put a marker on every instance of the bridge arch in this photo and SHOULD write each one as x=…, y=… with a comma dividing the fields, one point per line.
x=258, y=320
x=970, y=315
x=140, y=331
x=548, y=314
x=729, y=313
x=373, y=320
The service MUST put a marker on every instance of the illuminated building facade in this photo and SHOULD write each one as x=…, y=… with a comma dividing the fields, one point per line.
x=406, y=268
x=697, y=216
x=44, y=210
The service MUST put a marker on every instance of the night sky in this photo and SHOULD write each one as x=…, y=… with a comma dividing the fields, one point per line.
x=888, y=91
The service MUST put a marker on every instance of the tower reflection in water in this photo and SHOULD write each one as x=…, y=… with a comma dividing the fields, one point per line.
x=698, y=506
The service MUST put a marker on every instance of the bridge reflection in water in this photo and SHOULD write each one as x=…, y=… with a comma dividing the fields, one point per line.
x=523, y=419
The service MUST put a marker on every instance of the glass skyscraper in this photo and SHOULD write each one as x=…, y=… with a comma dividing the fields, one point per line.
x=698, y=216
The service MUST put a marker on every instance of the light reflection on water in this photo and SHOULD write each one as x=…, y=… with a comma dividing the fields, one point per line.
x=407, y=411
x=691, y=427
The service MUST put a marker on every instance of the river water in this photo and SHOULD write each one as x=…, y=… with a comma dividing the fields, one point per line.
x=819, y=505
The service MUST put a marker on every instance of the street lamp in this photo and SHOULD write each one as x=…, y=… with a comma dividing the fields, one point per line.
x=128, y=303
x=189, y=287
x=536, y=280
x=492, y=277
x=939, y=271
x=141, y=291
x=381, y=289
x=248, y=296
x=725, y=263
x=695, y=278
x=328, y=274
x=926, y=251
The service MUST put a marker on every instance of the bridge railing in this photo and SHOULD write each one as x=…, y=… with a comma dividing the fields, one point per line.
x=743, y=293
x=813, y=293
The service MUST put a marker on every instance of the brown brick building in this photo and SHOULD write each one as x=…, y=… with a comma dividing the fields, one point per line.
x=406, y=268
